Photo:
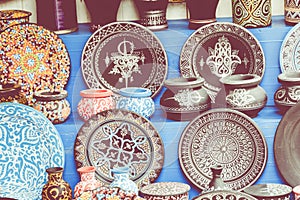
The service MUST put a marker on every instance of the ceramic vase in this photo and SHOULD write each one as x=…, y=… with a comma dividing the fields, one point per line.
x=288, y=94
x=53, y=104
x=152, y=13
x=122, y=180
x=102, y=12
x=201, y=12
x=88, y=181
x=94, y=101
x=184, y=98
x=12, y=17
x=136, y=99
x=11, y=92
x=252, y=14
x=56, y=187
x=291, y=12
x=242, y=92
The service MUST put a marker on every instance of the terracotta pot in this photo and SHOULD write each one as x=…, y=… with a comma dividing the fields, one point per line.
x=12, y=17
x=288, y=94
x=152, y=13
x=185, y=98
x=291, y=12
x=252, y=14
x=243, y=93
x=201, y=12
x=122, y=180
x=56, y=187
x=94, y=101
x=53, y=104
x=11, y=92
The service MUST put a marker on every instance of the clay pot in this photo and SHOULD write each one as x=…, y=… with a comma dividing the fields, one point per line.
x=11, y=92
x=291, y=12
x=123, y=181
x=12, y=17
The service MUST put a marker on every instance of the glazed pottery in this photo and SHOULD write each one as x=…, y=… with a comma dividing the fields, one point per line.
x=184, y=98
x=137, y=100
x=166, y=191
x=57, y=15
x=12, y=17
x=53, y=104
x=201, y=12
x=122, y=180
x=88, y=181
x=291, y=12
x=252, y=14
x=242, y=92
x=94, y=101
x=288, y=94
x=56, y=187
x=152, y=13
x=102, y=13
x=11, y=92
x=296, y=192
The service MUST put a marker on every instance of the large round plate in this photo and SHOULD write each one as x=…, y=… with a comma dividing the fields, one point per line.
x=29, y=144
x=124, y=54
x=286, y=146
x=223, y=137
x=117, y=138
x=289, y=52
x=33, y=57
x=218, y=50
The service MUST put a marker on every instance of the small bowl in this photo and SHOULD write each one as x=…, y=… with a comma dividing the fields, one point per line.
x=12, y=17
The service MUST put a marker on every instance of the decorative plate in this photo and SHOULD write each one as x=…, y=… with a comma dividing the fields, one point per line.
x=117, y=138
x=227, y=138
x=220, y=49
x=33, y=57
x=29, y=144
x=124, y=54
x=289, y=52
x=286, y=146
x=224, y=195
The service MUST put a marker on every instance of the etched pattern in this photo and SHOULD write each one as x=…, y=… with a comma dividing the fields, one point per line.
x=292, y=11
x=224, y=195
x=29, y=145
x=240, y=98
x=142, y=106
x=188, y=98
x=223, y=137
x=287, y=95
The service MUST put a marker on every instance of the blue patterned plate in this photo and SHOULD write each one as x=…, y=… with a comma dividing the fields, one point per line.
x=29, y=144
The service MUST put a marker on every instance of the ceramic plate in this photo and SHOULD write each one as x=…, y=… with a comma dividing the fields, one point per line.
x=29, y=144
x=34, y=57
x=289, y=53
x=218, y=50
x=223, y=137
x=124, y=54
x=269, y=191
x=224, y=195
x=286, y=146
x=117, y=138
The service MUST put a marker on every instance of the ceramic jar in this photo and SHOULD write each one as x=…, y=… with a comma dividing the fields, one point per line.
x=122, y=180
x=94, y=101
x=166, y=191
x=102, y=13
x=12, y=17
x=216, y=182
x=56, y=187
x=288, y=94
x=242, y=92
x=201, y=12
x=136, y=99
x=152, y=13
x=88, y=181
x=252, y=14
x=296, y=192
x=53, y=104
x=291, y=12
x=11, y=92
x=184, y=98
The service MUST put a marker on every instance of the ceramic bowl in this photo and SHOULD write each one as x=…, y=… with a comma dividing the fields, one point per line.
x=12, y=17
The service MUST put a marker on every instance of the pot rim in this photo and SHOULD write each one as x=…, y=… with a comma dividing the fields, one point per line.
x=184, y=82
x=49, y=95
x=25, y=13
x=54, y=170
x=94, y=93
x=289, y=77
x=184, y=188
x=135, y=92
x=241, y=79
x=296, y=189
x=287, y=190
x=86, y=169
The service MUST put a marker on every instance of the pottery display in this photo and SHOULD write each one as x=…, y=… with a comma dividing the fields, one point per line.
x=12, y=17
x=291, y=12
x=152, y=13
x=122, y=180
x=137, y=100
x=56, y=187
x=11, y=92
x=185, y=98
x=94, y=101
x=59, y=16
x=288, y=94
x=53, y=104
x=252, y=14
x=88, y=181
x=201, y=12
x=166, y=191
x=243, y=93
x=102, y=13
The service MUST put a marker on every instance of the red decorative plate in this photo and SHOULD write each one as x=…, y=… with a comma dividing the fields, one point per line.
x=33, y=57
